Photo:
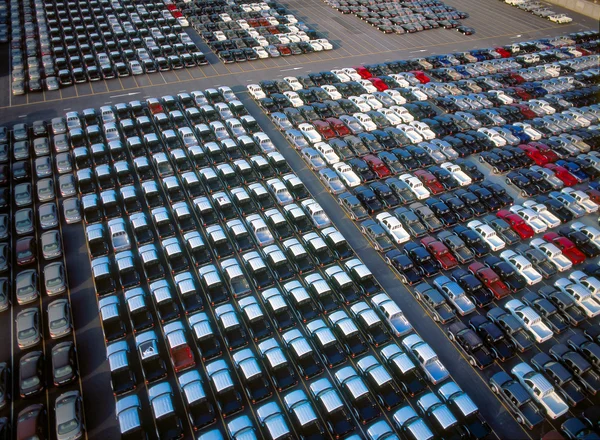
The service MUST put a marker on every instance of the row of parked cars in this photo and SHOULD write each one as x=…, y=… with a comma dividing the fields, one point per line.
x=247, y=31
x=231, y=259
x=492, y=221
x=403, y=17
x=94, y=40
x=541, y=10
x=34, y=287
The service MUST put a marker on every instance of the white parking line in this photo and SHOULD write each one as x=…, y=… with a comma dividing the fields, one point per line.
x=126, y=94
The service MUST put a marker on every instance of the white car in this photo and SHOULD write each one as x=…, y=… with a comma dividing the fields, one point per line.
x=391, y=116
x=530, y=217
x=348, y=176
x=416, y=186
x=546, y=216
x=582, y=297
x=458, y=174
x=341, y=75
x=403, y=79
x=351, y=73
x=502, y=97
x=371, y=101
x=418, y=93
x=411, y=133
x=423, y=129
x=332, y=92
x=396, y=96
x=523, y=266
x=325, y=44
x=541, y=104
x=590, y=283
x=327, y=153
x=392, y=314
x=553, y=253
x=560, y=18
x=493, y=136
x=368, y=85
x=293, y=82
x=487, y=234
x=313, y=158
x=590, y=231
x=530, y=320
x=361, y=103
x=403, y=113
x=256, y=91
x=264, y=142
x=315, y=45
x=540, y=390
x=446, y=148
x=294, y=98
x=309, y=132
x=393, y=227
x=261, y=52
x=582, y=199
x=365, y=121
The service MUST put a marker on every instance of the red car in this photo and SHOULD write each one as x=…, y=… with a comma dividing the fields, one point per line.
x=522, y=93
x=503, y=52
x=490, y=279
x=546, y=151
x=176, y=14
x=440, y=252
x=324, y=129
x=567, y=247
x=516, y=223
x=273, y=30
x=525, y=111
x=534, y=154
x=284, y=50
x=362, y=71
x=562, y=173
x=377, y=166
x=253, y=22
x=430, y=181
x=263, y=22
x=379, y=84
x=518, y=78
x=594, y=195
x=338, y=126
x=420, y=75
x=171, y=7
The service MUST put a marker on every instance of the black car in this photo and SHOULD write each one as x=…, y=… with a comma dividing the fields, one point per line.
x=486, y=197
x=385, y=194
x=472, y=345
x=471, y=201
x=470, y=169
x=362, y=170
x=560, y=377
x=457, y=206
x=422, y=258
x=507, y=273
x=582, y=241
x=472, y=287
x=498, y=165
x=498, y=192
x=522, y=182
x=493, y=337
x=368, y=198
x=442, y=211
x=404, y=266
x=472, y=240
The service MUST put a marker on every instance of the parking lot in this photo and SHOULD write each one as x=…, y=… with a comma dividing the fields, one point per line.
x=351, y=48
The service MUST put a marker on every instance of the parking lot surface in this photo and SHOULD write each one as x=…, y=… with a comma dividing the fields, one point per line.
x=352, y=46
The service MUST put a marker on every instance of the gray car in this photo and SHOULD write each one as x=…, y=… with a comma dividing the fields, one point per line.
x=4, y=257
x=28, y=328
x=332, y=181
x=4, y=292
x=24, y=221
x=22, y=194
x=59, y=318
x=64, y=163
x=48, y=215
x=72, y=210
x=26, y=285
x=69, y=416
x=454, y=294
x=4, y=384
x=55, y=281
x=59, y=125
x=51, y=245
x=3, y=226
x=66, y=185
x=45, y=190
x=41, y=146
x=43, y=167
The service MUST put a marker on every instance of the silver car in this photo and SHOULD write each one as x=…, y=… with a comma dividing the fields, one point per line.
x=296, y=138
x=63, y=163
x=48, y=216
x=72, y=210
x=59, y=318
x=455, y=295
x=51, y=245
x=66, y=185
x=45, y=190
x=54, y=279
x=332, y=181
x=27, y=286
x=43, y=167
x=59, y=125
x=69, y=416
x=28, y=328
x=549, y=176
x=313, y=158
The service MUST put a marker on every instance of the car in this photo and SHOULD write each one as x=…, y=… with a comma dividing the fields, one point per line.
x=393, y=227
x=578, y=366
x=454, y=294
x=68, y=408
x=472, y=345
x=512, y=328
x=530, y=319
x=566, y=246
x=516, y=223
x=427, y=359
x=59, y=318
x=523, y=267
x=518, y=400
x=582, y=297
x=440, y=252
x=64, y=363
